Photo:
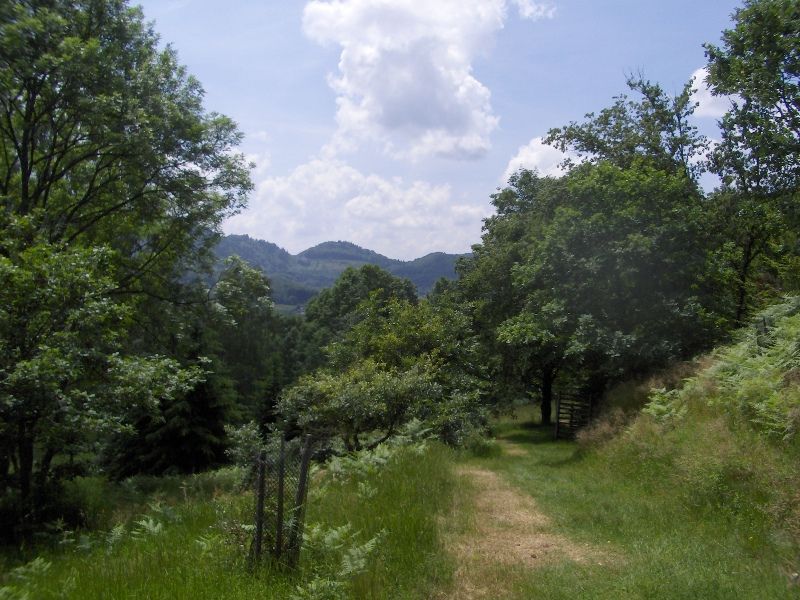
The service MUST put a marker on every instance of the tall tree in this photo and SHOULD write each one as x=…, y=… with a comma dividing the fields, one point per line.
x=104, y=138
x=564, y=277
x=334, y=310
x=248, y=331
x=656, y=126
x=114, y=180
x=758, y=65
x=600, y=275
x=486, y=281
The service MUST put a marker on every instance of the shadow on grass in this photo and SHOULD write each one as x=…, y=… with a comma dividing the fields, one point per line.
x=538, y=440
x=524, y=433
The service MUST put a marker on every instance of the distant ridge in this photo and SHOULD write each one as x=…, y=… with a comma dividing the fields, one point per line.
x=296, y=278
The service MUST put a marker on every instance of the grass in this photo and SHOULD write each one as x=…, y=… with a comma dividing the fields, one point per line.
x=699, y=497
x=667, y=536
x=664, y=526
x=178, y=550
x=406, y=502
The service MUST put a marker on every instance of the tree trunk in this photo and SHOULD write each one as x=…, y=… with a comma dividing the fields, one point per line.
x=5, y=470
x=44, y=467
x=595, y=390
x=548, y=375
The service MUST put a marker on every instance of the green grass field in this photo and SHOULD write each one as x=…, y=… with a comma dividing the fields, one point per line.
x=663, y=541
x=683, y=513
x=179, y=550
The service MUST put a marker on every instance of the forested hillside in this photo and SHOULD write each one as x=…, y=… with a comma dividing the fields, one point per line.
x=296, y=278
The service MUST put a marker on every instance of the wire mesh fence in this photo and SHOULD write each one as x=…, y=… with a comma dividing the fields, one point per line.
x=281, y=488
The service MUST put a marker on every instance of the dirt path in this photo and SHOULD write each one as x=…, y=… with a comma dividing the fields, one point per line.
x=507, y=531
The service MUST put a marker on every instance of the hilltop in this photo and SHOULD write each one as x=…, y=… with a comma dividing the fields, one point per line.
x=296, y=278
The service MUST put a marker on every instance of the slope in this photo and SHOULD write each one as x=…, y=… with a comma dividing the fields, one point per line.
x=296, y=278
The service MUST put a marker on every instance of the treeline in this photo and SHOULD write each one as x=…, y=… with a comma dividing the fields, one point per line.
x=115, y=353
x=123, y=351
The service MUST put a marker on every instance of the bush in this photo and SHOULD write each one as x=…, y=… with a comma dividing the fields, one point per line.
x=753, y=381
x=602, y=430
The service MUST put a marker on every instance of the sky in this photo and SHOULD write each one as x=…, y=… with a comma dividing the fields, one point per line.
x=389, y=123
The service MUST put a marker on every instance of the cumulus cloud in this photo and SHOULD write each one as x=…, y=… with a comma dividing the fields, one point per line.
x=404, y=82
x=708, y=105
x=405, y=77
x=326, y=199
x=260, y=162
x=539, y=156
x=528, y=9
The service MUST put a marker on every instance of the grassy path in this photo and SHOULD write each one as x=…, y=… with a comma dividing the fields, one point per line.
x=540, y=519
x=506, y=530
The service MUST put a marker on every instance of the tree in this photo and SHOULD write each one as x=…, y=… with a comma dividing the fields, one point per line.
x=601, y=275
x=657, y=127
x=758, y=65
x=62, y=379
x=486, y=281
x=248, y=333
x=400, y=361
x=104, y=139
x=563, y=279
x=333, y=311
x=114, y=181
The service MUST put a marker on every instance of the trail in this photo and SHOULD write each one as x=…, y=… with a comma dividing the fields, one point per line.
x=507, y=531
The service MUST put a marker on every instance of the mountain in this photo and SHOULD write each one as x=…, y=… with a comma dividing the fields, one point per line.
x=296, y=278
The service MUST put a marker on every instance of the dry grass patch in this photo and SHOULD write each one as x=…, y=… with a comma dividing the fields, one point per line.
x=510, y=449
x=507, y=531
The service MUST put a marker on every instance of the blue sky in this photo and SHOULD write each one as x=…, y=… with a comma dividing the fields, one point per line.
x=389, y=123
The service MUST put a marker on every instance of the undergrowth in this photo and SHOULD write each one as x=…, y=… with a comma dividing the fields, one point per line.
x=371, y=533
x=696, y=497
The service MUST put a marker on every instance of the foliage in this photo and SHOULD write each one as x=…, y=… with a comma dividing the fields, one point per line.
x=335, y=556
x=364, y=399
x=245, y=443
x=657, y=128
x=296, y=278
x=334, y=309
x=114, y=180
x=254, y=342
x=63, y=380
x=105, y=137
x=185, y=434
x=564, y=278
x=756, y=380
x=400, y=361
x=758, y=65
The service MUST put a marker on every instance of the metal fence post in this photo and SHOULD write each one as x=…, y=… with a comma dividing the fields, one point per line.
x=299, y=505
x=279, y=511
x=260, y=492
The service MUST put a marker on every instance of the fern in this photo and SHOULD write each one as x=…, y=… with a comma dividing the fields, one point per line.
x=147, y=526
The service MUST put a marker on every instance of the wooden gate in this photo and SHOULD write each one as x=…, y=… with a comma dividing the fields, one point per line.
x=573, y=411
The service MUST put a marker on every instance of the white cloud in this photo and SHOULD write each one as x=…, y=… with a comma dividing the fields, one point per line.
x=261, y=162
x=405, y=82
x=708, y=105
x=539, y=156
x=326, y=199
x=528, y=9
x=405, y=77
